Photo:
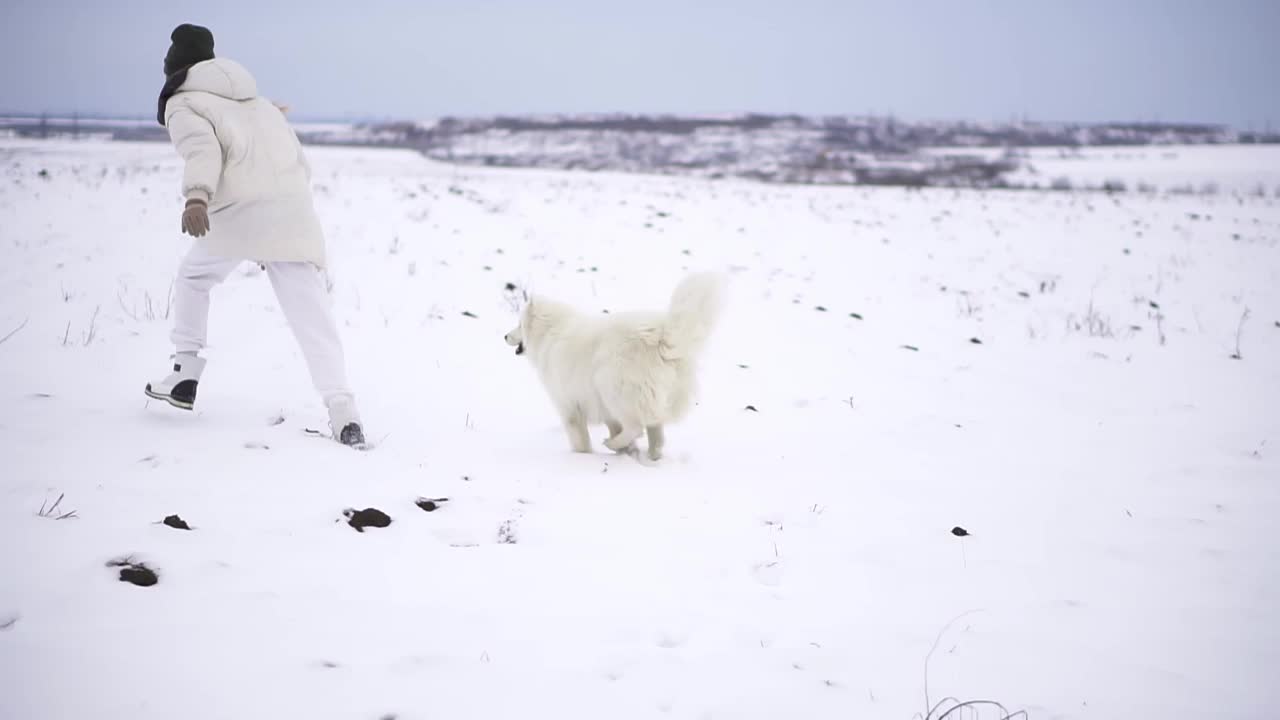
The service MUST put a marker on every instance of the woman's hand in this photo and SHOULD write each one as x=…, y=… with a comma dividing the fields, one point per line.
x=195, y=218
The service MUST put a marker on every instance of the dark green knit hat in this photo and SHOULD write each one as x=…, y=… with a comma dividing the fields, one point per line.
x=191, y=44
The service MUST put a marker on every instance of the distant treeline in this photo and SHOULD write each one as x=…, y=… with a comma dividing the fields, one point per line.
x=771, y=148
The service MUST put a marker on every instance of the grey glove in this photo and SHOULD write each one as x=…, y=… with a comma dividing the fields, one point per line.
x=195, y=218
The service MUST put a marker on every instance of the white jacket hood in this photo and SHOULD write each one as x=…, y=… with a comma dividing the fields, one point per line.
x=221, y=77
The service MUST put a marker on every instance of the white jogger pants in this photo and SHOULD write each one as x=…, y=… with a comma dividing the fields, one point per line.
x=303, y=296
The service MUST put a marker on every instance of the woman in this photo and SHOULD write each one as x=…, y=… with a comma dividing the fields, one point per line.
x=247, y=186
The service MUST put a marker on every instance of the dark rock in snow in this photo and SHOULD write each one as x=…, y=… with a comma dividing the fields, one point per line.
x=139, y=575
x=176, y=523
x=959, y=531
x=468, y=313
x=820, y=308
x=430, y=504
x=368, y=517
x=855, y=316
x=510, y=287
x=752, y=408
x=135, y=573
x=975, y=341
x=912, y=348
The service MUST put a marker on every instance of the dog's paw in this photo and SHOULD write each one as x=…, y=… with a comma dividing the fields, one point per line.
x=615, y=444
x=655, y=454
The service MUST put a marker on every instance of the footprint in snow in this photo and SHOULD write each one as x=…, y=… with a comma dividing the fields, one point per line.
x=507, y=534
x=671, y=640
x=768, y=574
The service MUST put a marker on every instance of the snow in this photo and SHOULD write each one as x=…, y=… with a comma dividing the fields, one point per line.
x=796, y=561
x=1182, y=169
x=1246, y=169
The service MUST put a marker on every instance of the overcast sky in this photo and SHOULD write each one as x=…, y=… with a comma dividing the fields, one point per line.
x=1087, y=60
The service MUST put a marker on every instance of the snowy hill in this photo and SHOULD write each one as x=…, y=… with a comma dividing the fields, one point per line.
x=1051, y=372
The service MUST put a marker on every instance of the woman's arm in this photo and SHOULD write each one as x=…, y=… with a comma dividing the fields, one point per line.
x=199, y=147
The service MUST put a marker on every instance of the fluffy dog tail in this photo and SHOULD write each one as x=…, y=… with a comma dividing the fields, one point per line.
x=695, y=306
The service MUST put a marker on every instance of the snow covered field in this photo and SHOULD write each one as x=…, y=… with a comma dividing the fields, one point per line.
x=1052, y=372
x=1232, y=169
x=1180, y=169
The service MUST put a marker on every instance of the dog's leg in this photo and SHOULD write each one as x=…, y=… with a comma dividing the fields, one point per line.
x=615, y=428
x=623, y=439
x=656, y=440
x=579, y=439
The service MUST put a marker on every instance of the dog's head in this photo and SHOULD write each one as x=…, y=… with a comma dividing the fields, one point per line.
x=537, y=318
x=516, y=338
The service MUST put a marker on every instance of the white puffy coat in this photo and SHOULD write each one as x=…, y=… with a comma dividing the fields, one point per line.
x=246, y=162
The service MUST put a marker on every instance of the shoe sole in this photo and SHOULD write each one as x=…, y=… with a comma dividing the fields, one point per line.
x=176, y=403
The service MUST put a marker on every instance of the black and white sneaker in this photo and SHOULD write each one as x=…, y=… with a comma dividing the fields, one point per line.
x=352, y=436
x=179, y=388
x=344, y=422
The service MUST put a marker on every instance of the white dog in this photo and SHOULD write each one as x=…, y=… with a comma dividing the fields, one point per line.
x=633, y=372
